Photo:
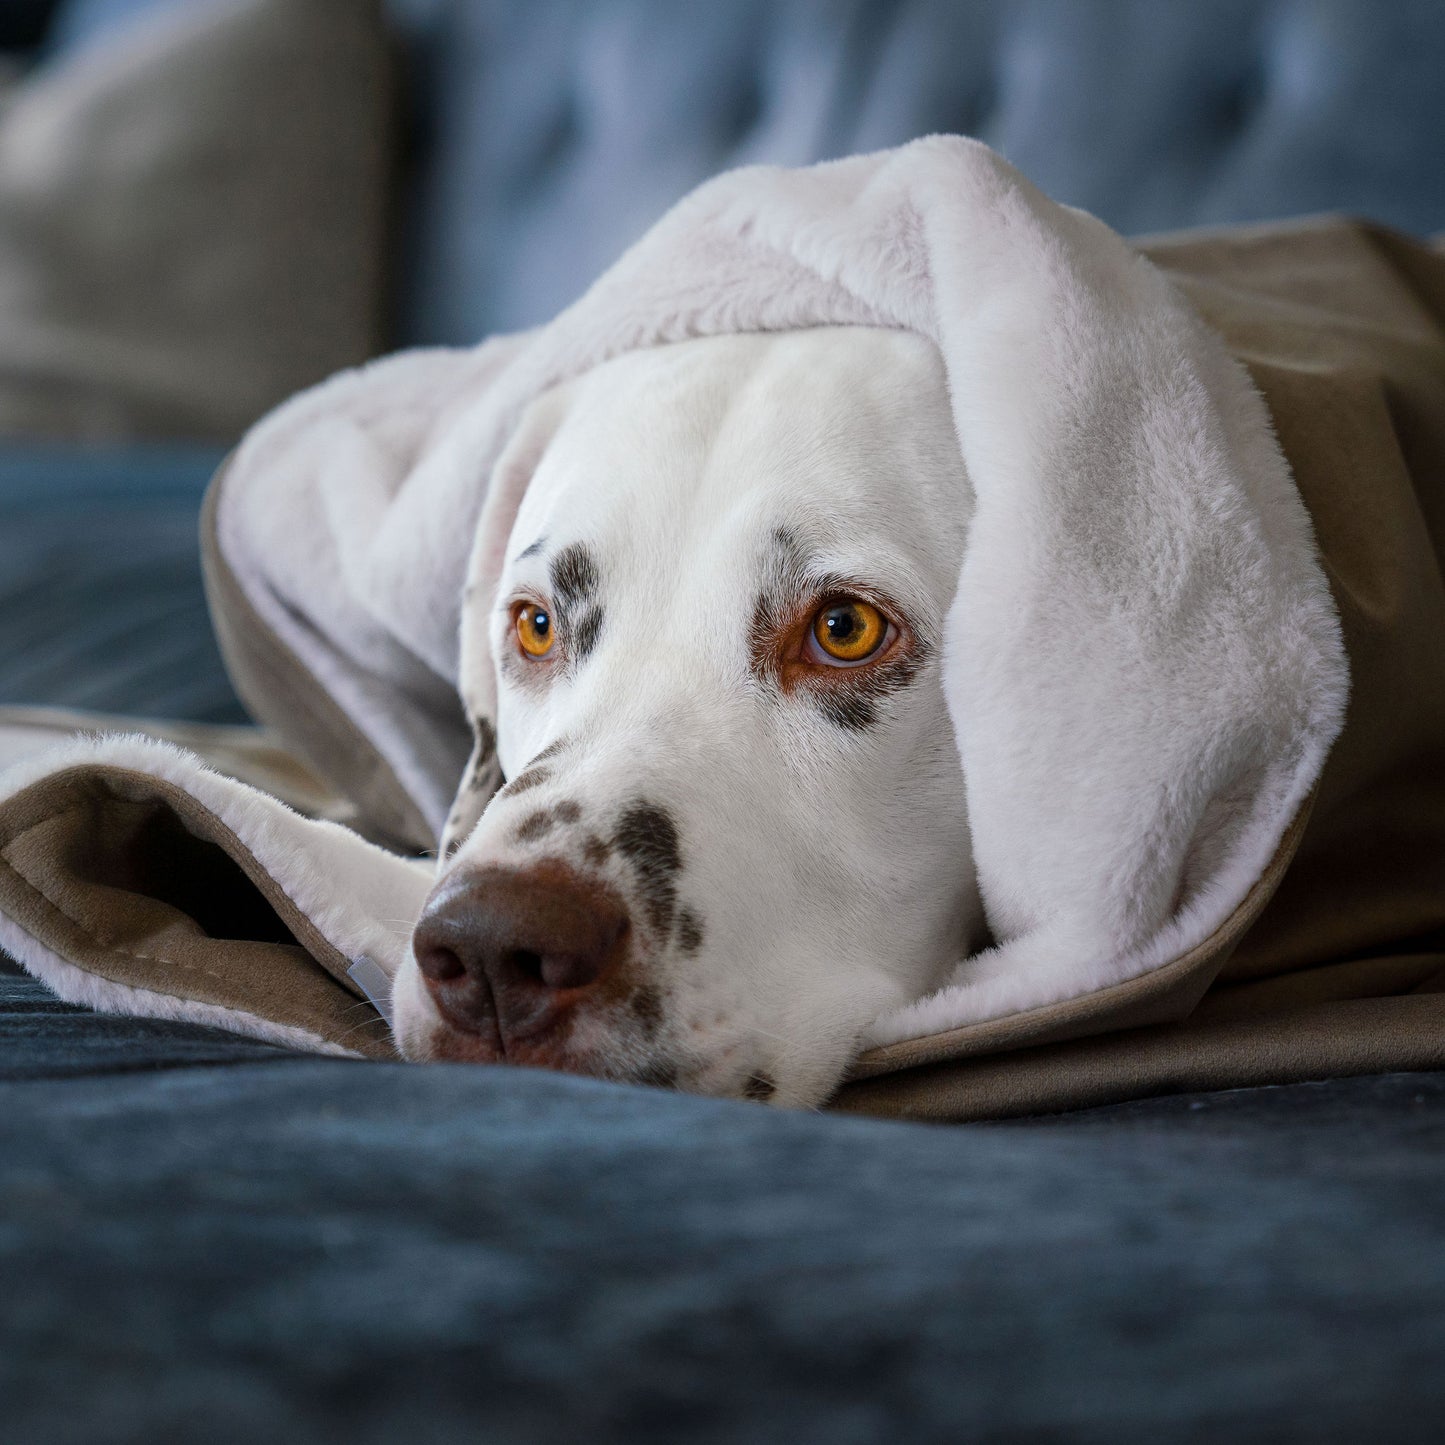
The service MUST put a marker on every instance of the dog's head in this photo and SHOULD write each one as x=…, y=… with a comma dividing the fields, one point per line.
x=733, y=828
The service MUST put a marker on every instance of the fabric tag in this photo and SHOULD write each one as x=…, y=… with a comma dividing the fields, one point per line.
x=369, y=976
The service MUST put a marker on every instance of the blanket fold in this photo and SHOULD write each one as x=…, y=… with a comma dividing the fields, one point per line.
x=1209, y=480
x=135, y=879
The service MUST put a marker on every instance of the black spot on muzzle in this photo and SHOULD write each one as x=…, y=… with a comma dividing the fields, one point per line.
x=647, y=837
x=526, y=780
x=539, y=824
x=647, y=1008
x=689, y=931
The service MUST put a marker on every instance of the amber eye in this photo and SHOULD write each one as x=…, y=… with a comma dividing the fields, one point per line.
x=850, y=631
x=534, y=629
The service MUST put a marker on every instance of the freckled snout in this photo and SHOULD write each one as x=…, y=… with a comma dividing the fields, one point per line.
x=508, y=953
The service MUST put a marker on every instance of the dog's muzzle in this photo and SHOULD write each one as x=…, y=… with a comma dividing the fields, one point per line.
x=509, y=956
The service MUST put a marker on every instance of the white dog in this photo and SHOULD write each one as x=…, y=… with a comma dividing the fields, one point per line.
x=732, y=775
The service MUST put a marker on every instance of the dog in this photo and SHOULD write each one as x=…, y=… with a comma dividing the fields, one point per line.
x=733, y=830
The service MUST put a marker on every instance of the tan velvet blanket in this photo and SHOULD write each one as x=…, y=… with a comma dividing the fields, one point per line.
x=122, y=883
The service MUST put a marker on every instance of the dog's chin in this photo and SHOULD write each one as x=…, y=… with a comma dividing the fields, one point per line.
x=718, y=1073
x=586, y=1047
x=717, y=1076
x=445, y=1043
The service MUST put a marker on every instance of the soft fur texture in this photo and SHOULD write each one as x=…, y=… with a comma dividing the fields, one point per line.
x=1141, y=662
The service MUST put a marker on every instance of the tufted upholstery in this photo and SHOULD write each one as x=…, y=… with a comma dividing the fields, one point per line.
x=551, y=133
x=547, y=134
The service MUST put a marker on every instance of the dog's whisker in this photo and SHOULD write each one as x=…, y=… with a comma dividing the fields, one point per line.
x=769, y=1034
x=360, y=1003
x=365, y=1024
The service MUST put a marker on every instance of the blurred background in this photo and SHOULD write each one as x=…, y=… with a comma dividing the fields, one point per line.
x=208, y=204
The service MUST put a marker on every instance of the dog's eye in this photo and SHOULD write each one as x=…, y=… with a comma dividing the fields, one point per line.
x=850, y=631
x=534, y=629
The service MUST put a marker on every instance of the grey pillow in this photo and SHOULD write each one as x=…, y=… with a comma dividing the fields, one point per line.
x=193, y=219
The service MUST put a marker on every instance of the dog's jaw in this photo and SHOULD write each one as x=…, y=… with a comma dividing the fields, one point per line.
x=723, y=1060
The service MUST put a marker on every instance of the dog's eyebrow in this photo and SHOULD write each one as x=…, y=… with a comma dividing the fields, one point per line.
x=531, y=551
x=785, y=551
x=574, y=575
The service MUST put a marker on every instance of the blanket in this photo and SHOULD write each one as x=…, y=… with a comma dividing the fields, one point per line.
x=1207, y=489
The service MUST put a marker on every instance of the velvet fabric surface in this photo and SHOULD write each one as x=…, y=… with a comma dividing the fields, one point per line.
x=204, y=1237
x=547, y=137
x=554, y=133
x=100, y=582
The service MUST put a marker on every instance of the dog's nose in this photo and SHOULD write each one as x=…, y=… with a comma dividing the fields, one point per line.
x=512, y=950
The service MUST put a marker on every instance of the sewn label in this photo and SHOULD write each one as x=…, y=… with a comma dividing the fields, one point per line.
x=373, y=980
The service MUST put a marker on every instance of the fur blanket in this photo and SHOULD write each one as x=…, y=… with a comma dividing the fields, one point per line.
x=1225, y=877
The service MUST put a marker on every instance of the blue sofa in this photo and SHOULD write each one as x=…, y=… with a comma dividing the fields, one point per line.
x=209, y=1238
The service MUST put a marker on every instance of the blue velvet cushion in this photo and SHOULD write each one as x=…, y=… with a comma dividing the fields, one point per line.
x=101, y=604
x=550, y=135
x=210, y=1239
x=555, y=132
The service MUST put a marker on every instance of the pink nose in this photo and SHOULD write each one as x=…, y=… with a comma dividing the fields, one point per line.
x=509, y=952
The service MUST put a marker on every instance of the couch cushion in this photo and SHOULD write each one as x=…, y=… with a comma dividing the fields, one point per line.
x=212, y=1239
x=101, y=604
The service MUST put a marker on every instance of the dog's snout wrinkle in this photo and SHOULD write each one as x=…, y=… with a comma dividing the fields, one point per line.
x=511, y=951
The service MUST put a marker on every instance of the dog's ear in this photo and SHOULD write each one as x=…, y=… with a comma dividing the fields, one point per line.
x=336, y=540
x=508, y=485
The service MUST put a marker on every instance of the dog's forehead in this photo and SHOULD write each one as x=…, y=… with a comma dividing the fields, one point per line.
x=712, y=446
